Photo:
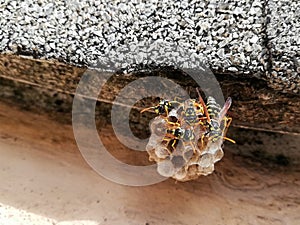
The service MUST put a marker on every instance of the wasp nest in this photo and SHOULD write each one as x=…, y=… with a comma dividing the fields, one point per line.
x=186, y=144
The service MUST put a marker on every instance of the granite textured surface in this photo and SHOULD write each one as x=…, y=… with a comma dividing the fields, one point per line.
x=254, y=37
x=283, y=34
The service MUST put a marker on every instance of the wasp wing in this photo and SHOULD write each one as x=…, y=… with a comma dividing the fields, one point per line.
x=224, y=110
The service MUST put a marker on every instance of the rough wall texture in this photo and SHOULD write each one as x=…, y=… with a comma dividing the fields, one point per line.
x=255, y=105
x=254, y=37
x=283, y=32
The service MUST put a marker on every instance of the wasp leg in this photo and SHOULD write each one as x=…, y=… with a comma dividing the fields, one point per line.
x=228, y=122
x=199, y=112
x=202, y=141
x=202, y=118
x=199, y=107
x=199, y=122
x=228, y=139
x=168, y=141
x=173, y=145
x=175, y=124
x=193, y=147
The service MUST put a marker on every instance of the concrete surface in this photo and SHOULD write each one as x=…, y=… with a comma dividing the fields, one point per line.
x=232, y=36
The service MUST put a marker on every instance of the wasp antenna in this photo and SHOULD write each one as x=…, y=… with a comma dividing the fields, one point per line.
x=177, y=99
x=175, y=102
x=228, y=139
x=204, y=106
x=146, y=109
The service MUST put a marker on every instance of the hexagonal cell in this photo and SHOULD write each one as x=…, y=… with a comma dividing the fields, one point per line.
x=206, y=170
x=206, y=160
x=180, y=175
x=212, y=147
x=154, y=140
x=218, y=155
x=166, y=168
x=178, y=161
x=188, y=153
x=158, y=126
x=161, y=151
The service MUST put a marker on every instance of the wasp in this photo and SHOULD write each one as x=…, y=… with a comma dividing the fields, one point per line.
x=190, y=112
x=163, y=107
x=216, y=118
x=175, y=134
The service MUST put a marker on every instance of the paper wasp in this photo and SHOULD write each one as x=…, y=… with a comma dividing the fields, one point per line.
x=163, y=107
x=176, y=133
x=217, y=121
x=192, y=113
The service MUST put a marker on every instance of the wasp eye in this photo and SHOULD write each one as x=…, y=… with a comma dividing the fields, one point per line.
x=157, y=99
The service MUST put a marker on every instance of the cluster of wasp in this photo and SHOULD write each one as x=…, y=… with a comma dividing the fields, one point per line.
x=186, y=137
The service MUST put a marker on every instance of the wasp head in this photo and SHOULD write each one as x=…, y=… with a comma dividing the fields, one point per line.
x=164, y=106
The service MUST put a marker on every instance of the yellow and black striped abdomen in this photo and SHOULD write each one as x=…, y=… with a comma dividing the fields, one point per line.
x=213, y=108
